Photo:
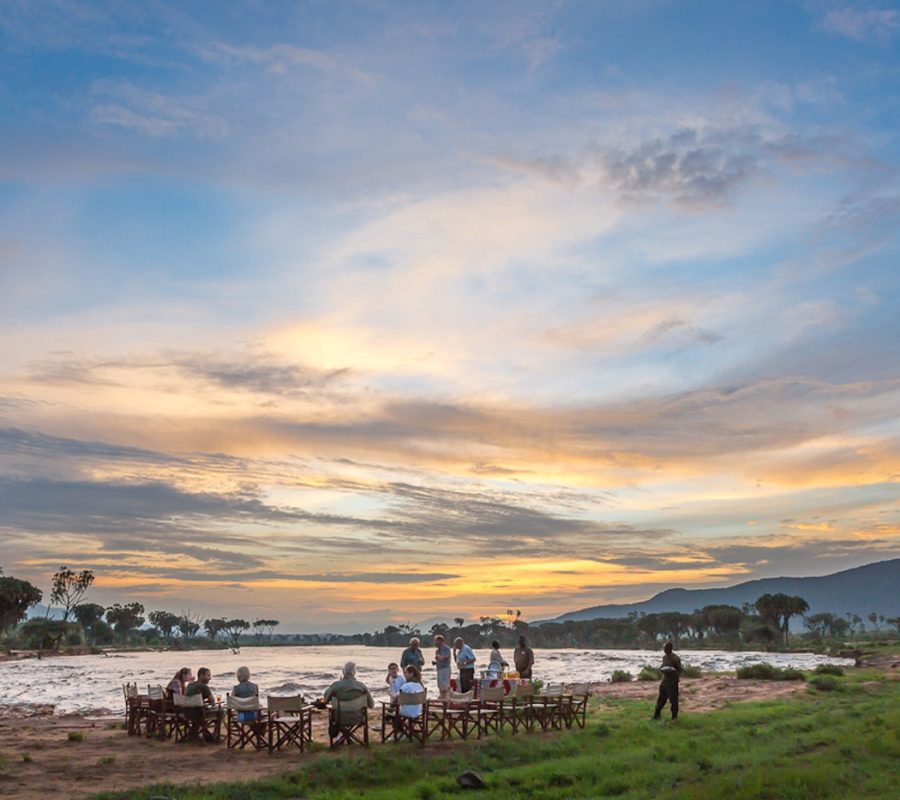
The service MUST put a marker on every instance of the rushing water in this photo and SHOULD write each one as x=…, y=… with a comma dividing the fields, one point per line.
x=93, y=684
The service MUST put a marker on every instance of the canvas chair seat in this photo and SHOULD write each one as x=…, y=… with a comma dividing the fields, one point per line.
x=396, y=726
x=348, y=720
x=550, y=707
x=290, y=722
x=193, y=717
x=457, y=713
x=242, y=732
x=491, y=711
x=161, y=716
x=577, y=712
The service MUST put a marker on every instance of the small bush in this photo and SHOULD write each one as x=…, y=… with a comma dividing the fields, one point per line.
x=26, y=758
x=691, y=672
x=767, y=672
x=829, y=669
x=825, y=683
x=76, y=736
x=649, y=673
x=105, y=760
x=621, y=676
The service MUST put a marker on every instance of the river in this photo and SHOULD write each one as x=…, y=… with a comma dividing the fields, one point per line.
x=93, y=684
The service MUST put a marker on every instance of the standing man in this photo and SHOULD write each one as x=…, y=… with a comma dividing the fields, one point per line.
x=442, y=663
x=465, y=660
x=523, y=656
x=668, y=686
x=412, y=656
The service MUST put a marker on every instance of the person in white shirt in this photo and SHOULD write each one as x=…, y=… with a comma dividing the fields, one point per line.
x=413, y=685
x=465, y=660
x=394, y=680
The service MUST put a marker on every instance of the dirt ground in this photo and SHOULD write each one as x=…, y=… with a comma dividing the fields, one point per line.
x=37, y=760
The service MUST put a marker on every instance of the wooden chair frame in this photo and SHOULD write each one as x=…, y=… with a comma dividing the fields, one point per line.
x=241, y=733
x=191, y=716
x=348, y=721
x=397, y=726
x=290, y=723
x=491, y=712
x=548, y=707
x=578, y=704
x=458, y=713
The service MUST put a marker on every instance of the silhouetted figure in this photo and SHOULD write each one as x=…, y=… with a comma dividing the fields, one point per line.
x=668, y=686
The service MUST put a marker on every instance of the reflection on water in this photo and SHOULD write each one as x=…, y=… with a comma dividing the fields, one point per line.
x=94, y=683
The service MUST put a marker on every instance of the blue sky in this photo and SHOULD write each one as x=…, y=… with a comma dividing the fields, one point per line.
x=529, y=304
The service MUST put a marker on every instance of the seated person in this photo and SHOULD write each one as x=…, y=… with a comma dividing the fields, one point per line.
x=394, y=680
x=413, y=685
x=179, y=682
x=348, y=687
x=245, y=688
x=201, y=687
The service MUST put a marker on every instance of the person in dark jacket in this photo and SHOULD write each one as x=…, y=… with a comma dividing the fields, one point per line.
x=668, y=686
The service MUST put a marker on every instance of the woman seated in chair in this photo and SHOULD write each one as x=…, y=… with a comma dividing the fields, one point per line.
x=413, y=685
x=178, y=683
x=245, y=688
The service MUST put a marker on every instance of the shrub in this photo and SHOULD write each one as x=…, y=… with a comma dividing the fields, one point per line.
x=76, y=736
x=620, y=676
x=691, y=672
x=825, y=683
x=791, y=674
x=760, y=672
x=829, y=669
x=649, y=673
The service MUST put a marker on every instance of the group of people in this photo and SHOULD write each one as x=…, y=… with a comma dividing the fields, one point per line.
x=406, y=678
x=464, y=658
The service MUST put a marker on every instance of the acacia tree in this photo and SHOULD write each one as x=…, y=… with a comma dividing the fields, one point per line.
x=233, y=630
x=125, y=619
x=67, y=589
x=779, y=608
x=16, y=597
x=214, y=627
x=164, y=621
x=188, y=623
x=88, y=616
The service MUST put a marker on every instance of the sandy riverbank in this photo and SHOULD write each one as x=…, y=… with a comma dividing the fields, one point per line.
x=39, y=761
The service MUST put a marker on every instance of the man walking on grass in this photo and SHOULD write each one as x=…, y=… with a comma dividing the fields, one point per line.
x=668, y=687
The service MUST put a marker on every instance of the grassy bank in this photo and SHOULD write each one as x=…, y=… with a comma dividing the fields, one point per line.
x=833, y=742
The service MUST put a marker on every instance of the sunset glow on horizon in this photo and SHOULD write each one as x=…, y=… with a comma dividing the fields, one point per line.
x=359, y=313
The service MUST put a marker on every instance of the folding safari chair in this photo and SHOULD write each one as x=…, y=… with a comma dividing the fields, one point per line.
x=136, y=709
x=455, y=714
x=549, y=707
x=240, y=728
x=491, y=710
x=348, y=720
x=193, y=716
x=521, y=713
x=290, y=722
x=160, y=714
x=396, y=726
x=577, y=712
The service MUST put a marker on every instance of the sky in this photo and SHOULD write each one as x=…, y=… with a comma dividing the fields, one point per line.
x=355, y=313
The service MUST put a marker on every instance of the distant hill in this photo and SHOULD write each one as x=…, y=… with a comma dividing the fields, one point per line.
x=874, y=587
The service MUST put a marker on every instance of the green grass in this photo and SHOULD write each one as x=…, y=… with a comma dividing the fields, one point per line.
x=813, y=746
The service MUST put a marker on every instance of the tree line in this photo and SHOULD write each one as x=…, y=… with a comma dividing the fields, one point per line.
x=93, y=624
x=762, y=624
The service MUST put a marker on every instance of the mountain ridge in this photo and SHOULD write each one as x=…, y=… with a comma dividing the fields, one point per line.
x=859, y=590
